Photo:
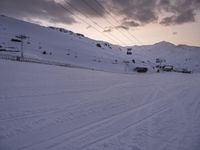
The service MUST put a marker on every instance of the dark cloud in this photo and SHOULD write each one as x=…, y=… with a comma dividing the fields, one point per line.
x=183, y=11
x=125, y=25
x=131, y=23
x=47, y=10
x=148, y=11
x=137, y=10
x=134, y=13
x=187, y=16
x=164, y=2
x=89, y=8
x=110, y=29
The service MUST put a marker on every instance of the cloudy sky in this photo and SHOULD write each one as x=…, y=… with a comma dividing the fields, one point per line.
x=124, y=22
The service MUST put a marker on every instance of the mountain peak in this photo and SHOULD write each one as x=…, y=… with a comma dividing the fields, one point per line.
x=164, y=43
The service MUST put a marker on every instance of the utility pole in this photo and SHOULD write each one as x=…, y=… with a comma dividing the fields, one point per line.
x=22, y=37
x=22, y=52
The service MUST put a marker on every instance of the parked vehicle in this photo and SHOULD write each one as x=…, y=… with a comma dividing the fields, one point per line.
x=167, y=68
x=141, y=69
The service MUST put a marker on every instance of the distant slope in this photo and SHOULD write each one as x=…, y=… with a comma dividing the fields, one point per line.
x=57, y=44
x=181, y=56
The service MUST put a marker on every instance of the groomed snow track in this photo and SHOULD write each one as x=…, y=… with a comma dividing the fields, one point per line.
x=53, y=108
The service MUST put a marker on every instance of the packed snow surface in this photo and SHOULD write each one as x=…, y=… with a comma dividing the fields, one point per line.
x=46, y=107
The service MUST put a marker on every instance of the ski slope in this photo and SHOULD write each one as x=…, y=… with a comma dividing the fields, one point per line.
x=65, y=47
x=60, y=45
x=56, y=108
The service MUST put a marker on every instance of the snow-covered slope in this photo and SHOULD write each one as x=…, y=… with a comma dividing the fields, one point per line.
x=53, y=108
x=56, y=44
x=180, y=56
x=60, y=46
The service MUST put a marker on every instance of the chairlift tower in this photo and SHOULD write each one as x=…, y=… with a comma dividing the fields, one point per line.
x=22, y=38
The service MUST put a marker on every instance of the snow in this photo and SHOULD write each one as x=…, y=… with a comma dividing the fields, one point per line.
x=64, y=47
x=179, y=56
x=107, y=106
x=48, y=107
x=67, y=47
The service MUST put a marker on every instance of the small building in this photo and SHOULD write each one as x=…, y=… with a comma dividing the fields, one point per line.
x=129, y=51
x=141, y=69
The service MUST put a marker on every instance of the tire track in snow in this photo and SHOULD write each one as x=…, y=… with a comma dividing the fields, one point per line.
x=61, y=122
x=166, y=107
x=93, y=126
x=109, y=119
x=30, y=130
x=63, y=109
x=99, y=132
x=101, y=127
x=122, y=130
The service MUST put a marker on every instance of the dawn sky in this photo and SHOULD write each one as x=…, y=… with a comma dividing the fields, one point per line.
x=124, y=22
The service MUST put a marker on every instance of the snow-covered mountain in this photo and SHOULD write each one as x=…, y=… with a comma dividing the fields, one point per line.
x=60, y=45
x=181, y=56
